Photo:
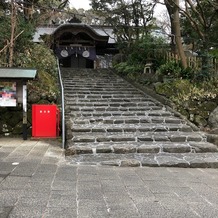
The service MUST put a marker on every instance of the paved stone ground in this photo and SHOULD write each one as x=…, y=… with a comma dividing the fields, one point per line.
x=36, y=181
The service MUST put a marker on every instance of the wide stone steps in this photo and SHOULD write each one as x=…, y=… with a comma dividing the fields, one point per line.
x=109, y=122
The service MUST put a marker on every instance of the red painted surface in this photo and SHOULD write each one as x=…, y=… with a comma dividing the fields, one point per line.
x=45, y=121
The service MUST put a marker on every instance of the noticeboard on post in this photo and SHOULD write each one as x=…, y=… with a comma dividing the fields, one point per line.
x=8, y=94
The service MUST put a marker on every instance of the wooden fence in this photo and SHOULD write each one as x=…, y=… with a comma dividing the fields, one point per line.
x=195, y=62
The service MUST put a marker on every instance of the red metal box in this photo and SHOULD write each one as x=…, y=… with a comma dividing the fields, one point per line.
x=45, y=121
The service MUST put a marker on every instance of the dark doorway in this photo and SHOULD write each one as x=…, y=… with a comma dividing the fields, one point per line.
x=77, y=61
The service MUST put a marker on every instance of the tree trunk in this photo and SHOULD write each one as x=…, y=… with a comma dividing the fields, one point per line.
x=13, y=25
x=173, y=10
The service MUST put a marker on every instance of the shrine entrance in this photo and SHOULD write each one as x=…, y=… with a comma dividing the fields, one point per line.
x=78, y=61
x=77, y=45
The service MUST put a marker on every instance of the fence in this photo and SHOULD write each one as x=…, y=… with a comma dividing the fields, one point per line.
x=195, y=62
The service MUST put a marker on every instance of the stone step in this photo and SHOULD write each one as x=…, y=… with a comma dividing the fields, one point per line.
x=110, y=104
x=101, y=92
x=99, y=96
x=105, y=84
x=115, y=108
x=184, y=160
x=141, y=147
x=127, y=120
x=74, y=114
x=124, y=128
x=72, y=100
x=170, y=136
x=76, y=88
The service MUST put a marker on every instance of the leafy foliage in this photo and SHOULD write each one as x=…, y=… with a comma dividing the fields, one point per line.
x=41, y=58
x=148, y=49
x=29, y=55
x=191, y=99
x=37, y=56
x=174, y=69
x=129, y=19
x=202, y=17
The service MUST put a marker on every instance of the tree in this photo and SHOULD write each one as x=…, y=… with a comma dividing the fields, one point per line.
x=130, y=19
x=13, y=25
x=176, y=41
x=202, y=18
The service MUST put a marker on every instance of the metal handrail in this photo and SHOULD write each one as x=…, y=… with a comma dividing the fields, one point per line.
x=62, y=105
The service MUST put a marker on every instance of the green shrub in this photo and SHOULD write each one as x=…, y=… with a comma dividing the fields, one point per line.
x=188, y=95
x=124, y=68
x=174, y=69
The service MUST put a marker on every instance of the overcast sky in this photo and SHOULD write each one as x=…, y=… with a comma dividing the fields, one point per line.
x=80, y=4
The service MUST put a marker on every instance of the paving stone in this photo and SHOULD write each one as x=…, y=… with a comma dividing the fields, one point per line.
x=103, y=139
x=203, y=147
x=114, y=130
x=79, y=150
x=175, y=148
x=130, y=163
x=145, y=138
x=83, y=139
x=149, y=160
x=195, y=138
x=148, y=149
x=176, y=138
x=119, y=149
x=161, y=138
x=122, y=139
x=111, y=163
x=103, y=149
x=171, y=161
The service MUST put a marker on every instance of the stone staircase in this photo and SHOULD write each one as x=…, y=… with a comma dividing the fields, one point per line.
x=110, y=122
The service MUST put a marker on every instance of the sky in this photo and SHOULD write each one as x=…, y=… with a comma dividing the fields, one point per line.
x=80, y=4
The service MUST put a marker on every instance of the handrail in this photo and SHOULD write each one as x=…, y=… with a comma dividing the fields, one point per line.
x=62, y=105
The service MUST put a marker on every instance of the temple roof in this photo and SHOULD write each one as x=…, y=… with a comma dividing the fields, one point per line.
x=102, y=33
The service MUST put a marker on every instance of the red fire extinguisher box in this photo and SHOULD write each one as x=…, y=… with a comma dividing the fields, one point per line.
x=45, y=121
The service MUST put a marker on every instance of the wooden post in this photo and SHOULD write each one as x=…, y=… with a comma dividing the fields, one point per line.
x=24, y=111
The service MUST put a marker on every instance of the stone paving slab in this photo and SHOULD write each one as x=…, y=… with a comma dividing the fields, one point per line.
x=96, y=188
